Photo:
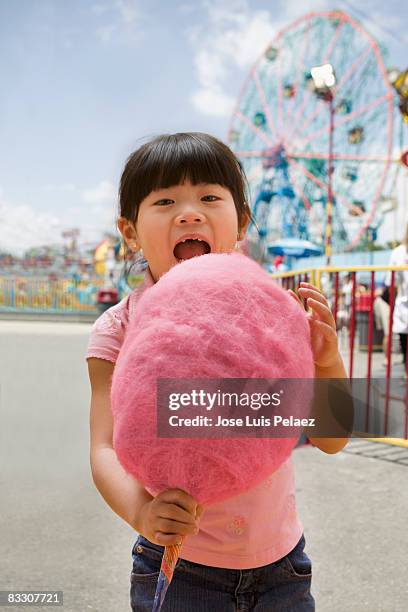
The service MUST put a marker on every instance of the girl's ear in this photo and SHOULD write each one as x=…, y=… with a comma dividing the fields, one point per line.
x=129, y=234
x=244, y=227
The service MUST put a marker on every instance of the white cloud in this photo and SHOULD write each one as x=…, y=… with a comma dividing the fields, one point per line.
x=211, y=69
x=238, y=35
x=105, y=32
x=22, y=227
x=128, y=10
x=231, y=37
x=100, y=211
x=99, y=9
x=213, y=101
x=70, y=187
x=104, y=215
x=186, y=8
x=104, y=193
x=120, y=21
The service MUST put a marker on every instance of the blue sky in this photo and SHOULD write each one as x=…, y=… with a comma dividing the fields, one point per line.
x=83, y=81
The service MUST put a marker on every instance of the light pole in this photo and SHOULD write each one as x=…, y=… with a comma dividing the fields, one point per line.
x=324, y=80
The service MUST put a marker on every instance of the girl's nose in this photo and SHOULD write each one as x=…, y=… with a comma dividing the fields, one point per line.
x=189, y=216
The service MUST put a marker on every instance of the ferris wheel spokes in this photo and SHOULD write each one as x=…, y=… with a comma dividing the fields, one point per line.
x=249, y=154
x=376, y=200
x=254, y=129
x=307, y=203
x=307, y=93
x=299, y=72
x=357, y=113
x=359, y=62
x=310, y=155
x=280, y=106
x=332, y=43
x=308, y=174
x=349, y=205
x=264, y=105
x=296, y=132
x=335, y=157
x=353, y=70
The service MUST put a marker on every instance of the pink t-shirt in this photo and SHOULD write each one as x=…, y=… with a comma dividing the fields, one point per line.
x=250, y=530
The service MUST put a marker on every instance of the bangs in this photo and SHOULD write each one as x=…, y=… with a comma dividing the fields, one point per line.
x=172, y=159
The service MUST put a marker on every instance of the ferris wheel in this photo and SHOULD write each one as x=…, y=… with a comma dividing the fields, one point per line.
x=316, y=146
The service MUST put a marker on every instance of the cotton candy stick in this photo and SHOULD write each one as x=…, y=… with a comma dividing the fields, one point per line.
x=170, y=557
x=168, y=564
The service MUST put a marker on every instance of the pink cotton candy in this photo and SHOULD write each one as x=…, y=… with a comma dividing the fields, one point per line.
x=213, y=316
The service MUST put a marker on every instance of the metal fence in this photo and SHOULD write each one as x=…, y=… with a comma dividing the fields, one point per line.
x=369, y=352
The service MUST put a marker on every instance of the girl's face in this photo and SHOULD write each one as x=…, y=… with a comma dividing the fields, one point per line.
x=204, y=213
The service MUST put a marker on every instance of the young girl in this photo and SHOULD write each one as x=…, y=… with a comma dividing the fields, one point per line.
x=181, y=196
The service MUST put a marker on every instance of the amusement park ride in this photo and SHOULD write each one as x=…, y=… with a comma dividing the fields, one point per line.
x=315, y=128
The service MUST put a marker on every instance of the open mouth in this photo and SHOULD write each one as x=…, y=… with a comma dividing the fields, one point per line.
x=192, y=247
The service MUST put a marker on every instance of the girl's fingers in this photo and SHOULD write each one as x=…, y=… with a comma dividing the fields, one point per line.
x=327, y=330
x=168, y=539
x=175, y=513
x=180, y=498
x=296, y=297
x=322, y=310
x=293, y=294
x=305, y=292
x=309, y=286
x=199, y=511
x=174, y=527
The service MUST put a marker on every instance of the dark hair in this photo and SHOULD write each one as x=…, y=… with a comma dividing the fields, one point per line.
x=170, y=159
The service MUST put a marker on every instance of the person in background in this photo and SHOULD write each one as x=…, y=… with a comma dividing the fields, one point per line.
x=399, y=257
x=347, y=290
x=382, y=317
x=344, y=306
x=279, y=263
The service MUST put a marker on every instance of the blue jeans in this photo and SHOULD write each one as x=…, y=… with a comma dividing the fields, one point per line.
x=282, y=586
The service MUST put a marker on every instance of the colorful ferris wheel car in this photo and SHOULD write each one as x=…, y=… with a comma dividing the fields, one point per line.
x=289, y=90
x=344, y=107
x=356, y=135
x=401, y=87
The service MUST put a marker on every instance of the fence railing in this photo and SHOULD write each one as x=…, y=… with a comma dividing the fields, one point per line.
x=364, y=322
x=49, y=296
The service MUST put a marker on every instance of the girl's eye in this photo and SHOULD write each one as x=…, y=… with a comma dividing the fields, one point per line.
x=163, y=202
x=213, y=198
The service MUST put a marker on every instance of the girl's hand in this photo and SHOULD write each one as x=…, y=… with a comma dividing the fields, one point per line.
x=322, y=326
x=170, y=516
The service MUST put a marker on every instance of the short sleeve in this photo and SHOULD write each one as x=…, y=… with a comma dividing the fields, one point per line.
x=108, y=332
